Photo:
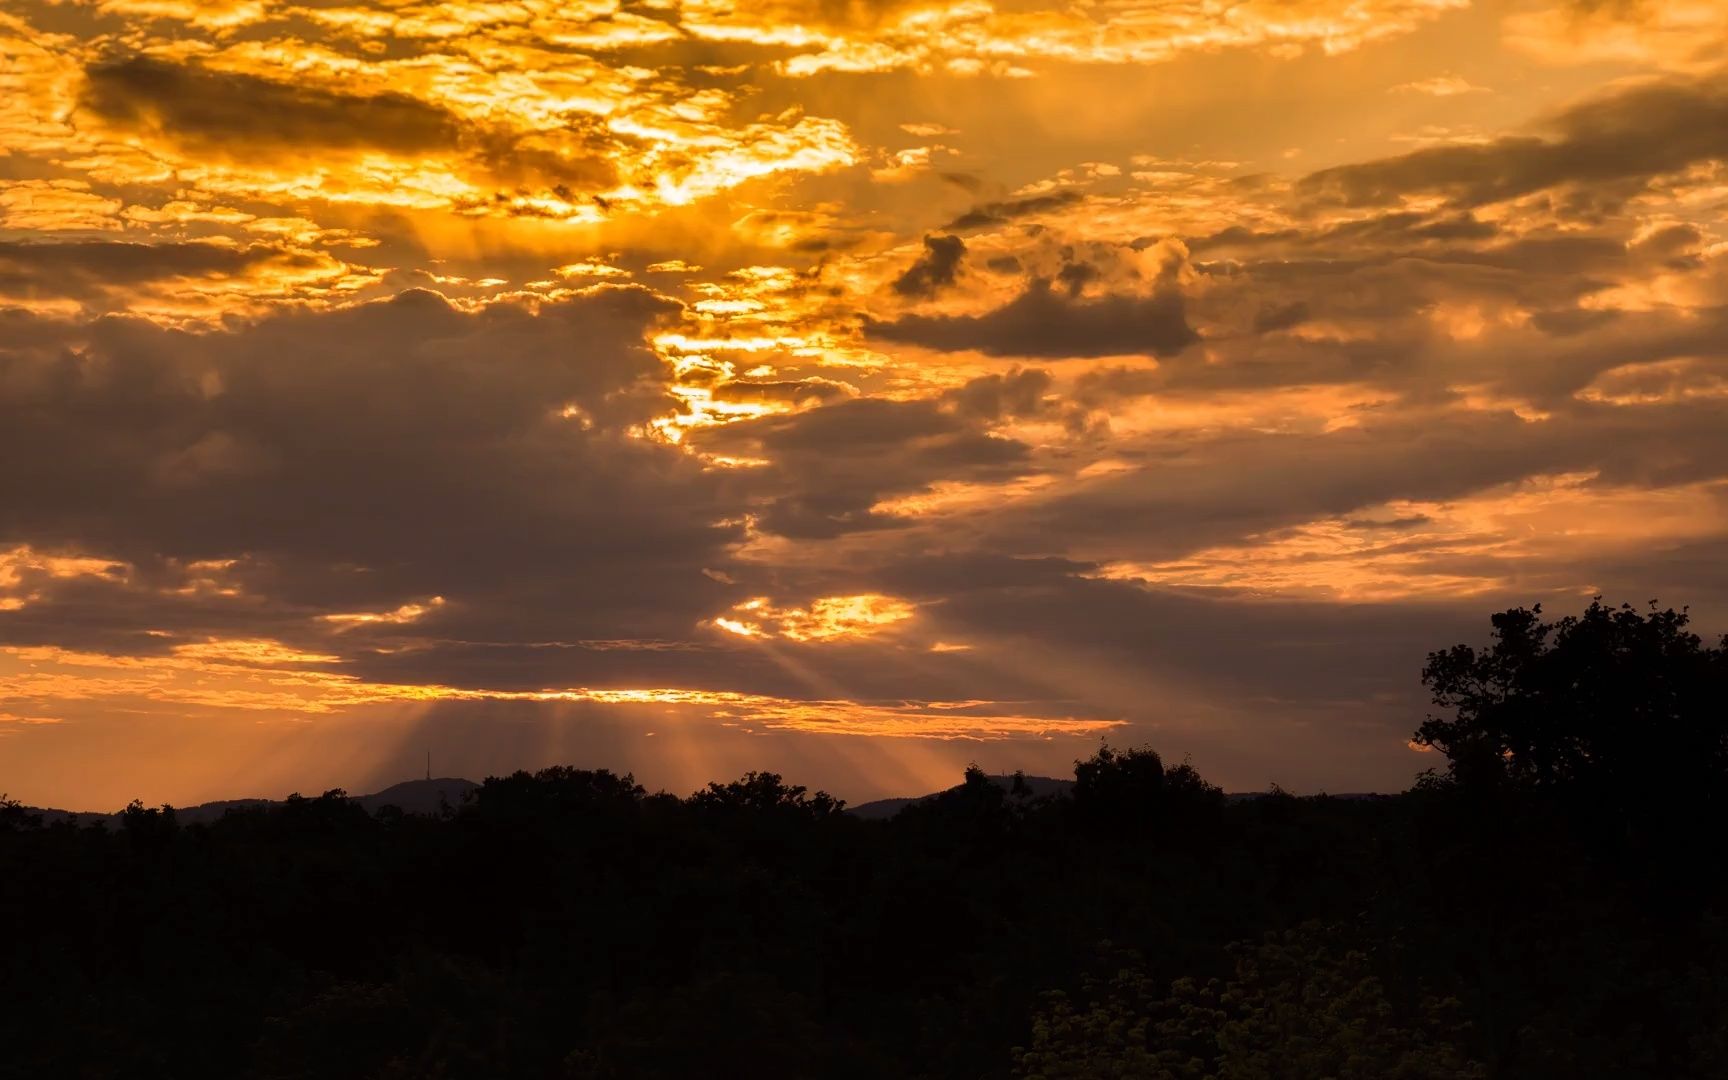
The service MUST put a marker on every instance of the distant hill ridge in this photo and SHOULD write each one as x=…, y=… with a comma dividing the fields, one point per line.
x=431, y=796
x=410, y=796
x=1037, y=787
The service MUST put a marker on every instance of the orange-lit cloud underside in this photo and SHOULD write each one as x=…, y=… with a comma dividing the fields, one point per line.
x=979, y=370
x=266, y=677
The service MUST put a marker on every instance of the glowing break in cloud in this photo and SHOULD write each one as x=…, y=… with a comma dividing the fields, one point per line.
x=830, y=618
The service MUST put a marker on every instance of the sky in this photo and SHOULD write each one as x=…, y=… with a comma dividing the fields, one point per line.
x=850, y=389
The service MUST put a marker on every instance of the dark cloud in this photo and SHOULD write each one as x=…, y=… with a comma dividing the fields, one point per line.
x=239, y=115
x=1585, y=347
x=24, y=331
x=1390, y=306
x=1674, y=246
x=1103, y=387
x=1547, y=254
x=1618, y=141
x=861, y=426
x=85, y=269
x=937, y=577
x=363, y=459
x=791, y=393
x=1020, y=392
x=1075, y=276
x=1371, y=525
x=1000, y=213
x=1238, y=236
x=1569, y=321
x=235, y=111
x=1397, y=229
x=1274, y=317
x=515, y=160
x=1041, y=322
x=1407, y=228
x=934, y=270
x=1287, y=284
x=1191, y=493
x=830, y=466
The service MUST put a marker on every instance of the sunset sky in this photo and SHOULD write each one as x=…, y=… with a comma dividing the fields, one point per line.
x=851, y=389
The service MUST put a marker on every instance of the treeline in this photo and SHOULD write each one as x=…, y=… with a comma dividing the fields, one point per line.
x=1549, y=904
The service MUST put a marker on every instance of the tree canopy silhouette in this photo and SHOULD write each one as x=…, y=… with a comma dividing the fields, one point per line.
x=1617, y=706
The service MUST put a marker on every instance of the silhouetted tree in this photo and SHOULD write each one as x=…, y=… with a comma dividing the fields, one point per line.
x=766, y=793
x=146, y=826
x=14, y=816
x=1133, y=790
x=555, y=793
x=1626, y=709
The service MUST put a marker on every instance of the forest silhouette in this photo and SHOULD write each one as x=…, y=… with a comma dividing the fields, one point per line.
x=1548, y=902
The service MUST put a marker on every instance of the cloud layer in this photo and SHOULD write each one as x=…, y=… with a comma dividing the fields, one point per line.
x=853, y=390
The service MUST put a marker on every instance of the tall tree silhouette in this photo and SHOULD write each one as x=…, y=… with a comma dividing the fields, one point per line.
x=1616, y=704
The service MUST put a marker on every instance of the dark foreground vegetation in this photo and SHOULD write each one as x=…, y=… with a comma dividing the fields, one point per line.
x=1549, y=904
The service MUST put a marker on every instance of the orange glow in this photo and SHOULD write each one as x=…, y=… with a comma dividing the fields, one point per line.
x=407, y=613
x=267, y=677
x=830, y=618
x=1426, y=549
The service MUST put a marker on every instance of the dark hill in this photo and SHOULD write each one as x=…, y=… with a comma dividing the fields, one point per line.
x=1037, y=786
x=420, y=796
x=1041, y=787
